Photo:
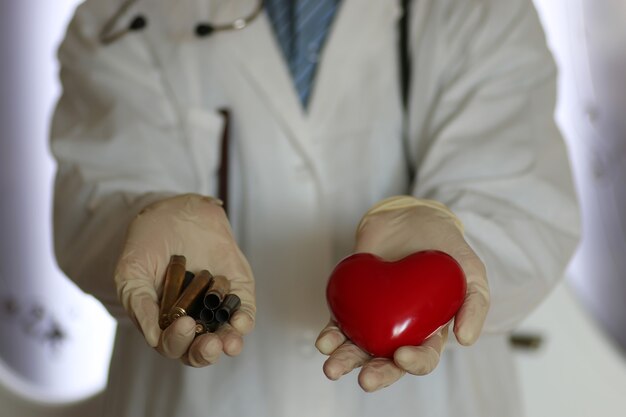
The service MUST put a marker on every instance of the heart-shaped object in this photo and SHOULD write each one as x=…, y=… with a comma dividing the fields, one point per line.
x=382, y=305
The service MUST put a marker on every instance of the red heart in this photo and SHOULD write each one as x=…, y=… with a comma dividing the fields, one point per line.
x=382, y=305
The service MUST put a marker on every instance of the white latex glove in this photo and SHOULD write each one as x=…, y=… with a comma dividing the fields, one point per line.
x=393, y=229
x=197, y=228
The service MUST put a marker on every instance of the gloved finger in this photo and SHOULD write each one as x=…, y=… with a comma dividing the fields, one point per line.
x=330, y=338
x=343, y=360
x=204, y=351
x=137, y=294
x=472, y=314
x=379, y=373
x=232, y=342
x=176, y=339
x=243, y=320
x=144, y=311
x=423, y=359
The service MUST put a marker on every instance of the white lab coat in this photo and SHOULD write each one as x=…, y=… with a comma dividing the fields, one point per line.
x=138, y=121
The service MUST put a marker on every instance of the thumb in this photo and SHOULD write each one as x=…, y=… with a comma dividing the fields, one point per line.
x=137, y=293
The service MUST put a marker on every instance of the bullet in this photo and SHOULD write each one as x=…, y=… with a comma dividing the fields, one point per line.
x=190, y=301
x=188, y=278
x=200, y=327
x=227, y=309
x=207, y=315
x=212, y=326
x=216, y=293
x=172, y=285
x=203, y=327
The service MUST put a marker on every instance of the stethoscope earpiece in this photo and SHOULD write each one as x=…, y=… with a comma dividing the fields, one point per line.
x=109, y=34
x=138, y=23
x=204, y=29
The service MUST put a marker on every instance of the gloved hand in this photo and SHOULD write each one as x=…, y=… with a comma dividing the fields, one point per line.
x=196, y=227
x=393, y=229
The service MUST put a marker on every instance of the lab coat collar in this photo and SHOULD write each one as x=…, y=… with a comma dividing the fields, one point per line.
x=355, y=27
x=255, y=50
x=265, y=67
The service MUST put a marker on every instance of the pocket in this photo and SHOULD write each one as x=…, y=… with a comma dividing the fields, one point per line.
x=205, y=131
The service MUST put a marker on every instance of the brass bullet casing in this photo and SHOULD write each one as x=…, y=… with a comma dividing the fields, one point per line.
x=172, y=286
x=176, y=313
x=190, y=301
x=212, y=326
x=188, y=278
x=207, y=315
x=227, y=309
x=217, y=292
x=200, y=327
x=207, y=320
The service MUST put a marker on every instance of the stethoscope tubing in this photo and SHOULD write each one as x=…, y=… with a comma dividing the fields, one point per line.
x=108, y=35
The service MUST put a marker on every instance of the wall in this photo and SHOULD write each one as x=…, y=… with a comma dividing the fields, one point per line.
x=54, y=340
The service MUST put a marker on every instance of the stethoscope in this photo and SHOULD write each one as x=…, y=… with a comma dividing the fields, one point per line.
x=108, y=35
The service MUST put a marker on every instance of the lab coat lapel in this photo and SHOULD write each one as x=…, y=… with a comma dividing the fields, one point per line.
x=358, y=26
x=265, y=68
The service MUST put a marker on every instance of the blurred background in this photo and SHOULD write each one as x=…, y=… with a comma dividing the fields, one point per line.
x=55, y=342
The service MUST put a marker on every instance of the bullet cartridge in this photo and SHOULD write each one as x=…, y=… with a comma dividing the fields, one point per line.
x=188, y=278
x=216, y=292
x=174, y=277
x=207, y=315
x=190, y=301
x=227, y=309
x=200, y=327
x=212, y=326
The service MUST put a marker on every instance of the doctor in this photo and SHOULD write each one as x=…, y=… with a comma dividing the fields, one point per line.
x=319, y=141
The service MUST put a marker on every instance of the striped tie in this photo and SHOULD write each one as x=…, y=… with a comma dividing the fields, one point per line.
x=301, y=27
